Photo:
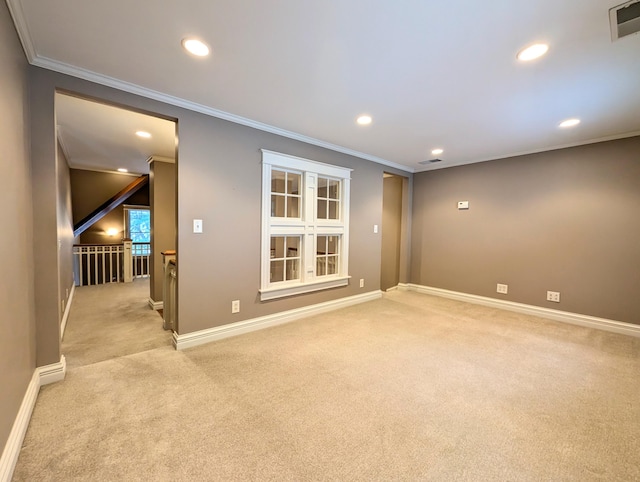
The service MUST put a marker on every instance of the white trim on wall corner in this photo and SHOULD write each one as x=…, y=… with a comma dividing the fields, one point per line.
x=67, y=309
x=41, y=376
x=156, y=305
x=556, y=315
x=188, y=340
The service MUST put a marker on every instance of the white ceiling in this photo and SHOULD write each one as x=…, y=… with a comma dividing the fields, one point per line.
x=102, y=137
x=430, y=73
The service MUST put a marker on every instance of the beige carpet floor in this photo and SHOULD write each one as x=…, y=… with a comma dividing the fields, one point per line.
x=409, y=387
x=110, y=321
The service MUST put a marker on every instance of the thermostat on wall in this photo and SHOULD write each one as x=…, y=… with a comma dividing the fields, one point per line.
x=463, y=204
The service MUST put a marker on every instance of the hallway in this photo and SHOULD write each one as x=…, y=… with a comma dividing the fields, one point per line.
x=110, y=321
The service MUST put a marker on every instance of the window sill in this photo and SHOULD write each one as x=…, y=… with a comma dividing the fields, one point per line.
x=281, y=292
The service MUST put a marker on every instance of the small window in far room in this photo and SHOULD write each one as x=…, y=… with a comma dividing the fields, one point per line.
x=137, y=221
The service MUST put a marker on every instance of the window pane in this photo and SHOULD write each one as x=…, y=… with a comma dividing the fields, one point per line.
x=322, y=209
x=334, y=189
x=140, y=225
x=333, y=245
x=333, y=210
x=293, y=183
x=321, y=266
x=277, y=246
x=332, y=264
x=293, y=247
x=293, y=269
x=293, y=207
x=277, y=271
x=322, y=187
x=277, y=206
x=277, y=181
x=321, y=245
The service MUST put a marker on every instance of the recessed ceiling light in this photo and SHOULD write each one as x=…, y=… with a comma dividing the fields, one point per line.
x=122, y=169
x=569, y=123
x=196, y=47
x=144, y=134
x=364, y=120
x=437, y=152
x=532, y=52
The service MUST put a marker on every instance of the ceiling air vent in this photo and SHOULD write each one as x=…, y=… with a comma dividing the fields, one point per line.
x=430, y=161
x=625, y=19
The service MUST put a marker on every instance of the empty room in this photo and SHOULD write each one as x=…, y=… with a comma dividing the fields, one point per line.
x=332, y=241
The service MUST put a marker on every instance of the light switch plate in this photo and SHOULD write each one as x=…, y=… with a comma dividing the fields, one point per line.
x=463, y=204
x=197, y=225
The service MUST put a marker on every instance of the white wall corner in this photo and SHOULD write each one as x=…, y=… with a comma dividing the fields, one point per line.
x=196, y=338
x=52, y=373
x=604, y=324
x=67, y=309
x=156, y=305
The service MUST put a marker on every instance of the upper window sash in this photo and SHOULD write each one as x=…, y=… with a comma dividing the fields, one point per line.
x=286, y=161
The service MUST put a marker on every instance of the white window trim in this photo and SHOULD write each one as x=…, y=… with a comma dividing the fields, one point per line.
x=308, y=224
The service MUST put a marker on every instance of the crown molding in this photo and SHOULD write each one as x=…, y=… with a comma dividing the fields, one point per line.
x=534, y=151
x=105, y=80
x=17, y=14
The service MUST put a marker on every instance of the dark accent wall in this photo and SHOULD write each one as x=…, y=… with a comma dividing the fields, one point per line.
x=89, y=189
x=565, y=220
x=17, y=323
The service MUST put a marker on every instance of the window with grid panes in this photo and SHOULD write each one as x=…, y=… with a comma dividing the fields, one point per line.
x=305, y=225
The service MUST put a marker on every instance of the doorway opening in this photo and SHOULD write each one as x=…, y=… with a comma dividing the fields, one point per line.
x=117, y=197
x=394, y=231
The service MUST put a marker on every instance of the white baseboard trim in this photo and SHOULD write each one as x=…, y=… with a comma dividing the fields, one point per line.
x=67, y=309
x=156, y=305
x=556, y=315
x=52, y=373
x=16, y=436
x=202, y=337
x=41, y=376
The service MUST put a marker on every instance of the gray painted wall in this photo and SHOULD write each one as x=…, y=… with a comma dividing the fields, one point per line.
x=162, y=189
x=219, y=181
x=391, y=232
x=17, y=323
x=565, y=220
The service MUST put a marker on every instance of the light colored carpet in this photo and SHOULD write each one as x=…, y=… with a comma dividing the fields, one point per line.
x=409, y=387
x=110, y=321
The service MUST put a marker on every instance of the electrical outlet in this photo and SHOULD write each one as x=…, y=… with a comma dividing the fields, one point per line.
x=361, y=282
x=553, y=296
x=375, y=229
x=504, y=289
x=235, y=306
